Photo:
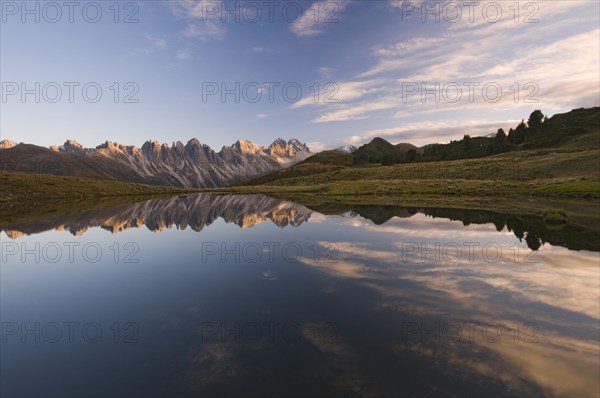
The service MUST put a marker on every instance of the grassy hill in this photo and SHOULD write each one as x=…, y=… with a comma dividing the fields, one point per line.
x=29, y=186
x=25, y=196
x=383, y=152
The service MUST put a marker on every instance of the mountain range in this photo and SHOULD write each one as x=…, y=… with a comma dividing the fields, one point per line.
x=193, y=165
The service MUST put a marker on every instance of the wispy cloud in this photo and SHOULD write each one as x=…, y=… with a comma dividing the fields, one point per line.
x=355, y=112
x=159, y=42
x=441, y=131
x=183, y=55
x=320, y=14
x=325, y=72
x=345, y=92
x=558, y=55
x=202, y=25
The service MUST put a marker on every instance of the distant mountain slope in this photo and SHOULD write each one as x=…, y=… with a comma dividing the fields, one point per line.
x=194, y=165
x=346, y=149
x=321, y=162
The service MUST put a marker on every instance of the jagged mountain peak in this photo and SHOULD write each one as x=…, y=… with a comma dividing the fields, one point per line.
x=6, y=144
x=72, y=143
x=155, y=145
x=71, y=146
x=280, y=149
x=245, y=146
x=297, y=145
x=278, y=142
x=194, y=142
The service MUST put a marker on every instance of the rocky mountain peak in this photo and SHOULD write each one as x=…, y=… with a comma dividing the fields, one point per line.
x=281, y=148
x=193, y=143
x=245, y=146
x=297, y=145
x=71, y=146
x=6, y=144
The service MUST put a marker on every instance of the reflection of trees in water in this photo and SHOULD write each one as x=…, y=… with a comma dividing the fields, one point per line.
x=532, y=232
x=531, y=229
x=534, y=242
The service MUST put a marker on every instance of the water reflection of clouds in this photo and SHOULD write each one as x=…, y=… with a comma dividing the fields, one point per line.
x=423, y=226
x=559, y=293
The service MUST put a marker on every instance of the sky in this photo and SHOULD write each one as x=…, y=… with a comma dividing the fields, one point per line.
x=328, y=73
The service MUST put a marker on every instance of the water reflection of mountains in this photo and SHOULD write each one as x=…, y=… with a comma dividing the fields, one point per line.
x=246, y=211
x=195, y=211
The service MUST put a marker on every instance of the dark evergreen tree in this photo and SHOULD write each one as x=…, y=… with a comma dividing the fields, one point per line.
x=498, y=144
x=535, y=120
x=467, y=142
x=520, y=132
x=411, y=155
x=511, y=136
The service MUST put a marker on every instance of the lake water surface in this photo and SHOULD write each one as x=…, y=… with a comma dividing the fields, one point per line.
x=252, y=296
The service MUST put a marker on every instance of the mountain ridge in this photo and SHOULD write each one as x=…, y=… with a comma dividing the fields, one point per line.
x=193, y=165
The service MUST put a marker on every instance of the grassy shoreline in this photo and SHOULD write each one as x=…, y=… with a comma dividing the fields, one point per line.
x=28, y=196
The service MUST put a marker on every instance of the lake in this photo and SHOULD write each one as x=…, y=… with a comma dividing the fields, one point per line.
x=253, y=296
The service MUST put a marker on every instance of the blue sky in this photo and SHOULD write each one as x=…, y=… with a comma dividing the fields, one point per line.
x=378, y=55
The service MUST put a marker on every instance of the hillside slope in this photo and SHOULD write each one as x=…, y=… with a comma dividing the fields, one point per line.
x=564, y=162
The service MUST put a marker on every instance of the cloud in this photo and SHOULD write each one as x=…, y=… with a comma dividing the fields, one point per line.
x=355, y=112
x=141, y=51
x=203, y=25
x=159, y=42
x=183, y=55
x=344, y=92
x=204, y=31
x=313, y=20
x=421, y=133
x=262, y=115
x=325, y=72
x=317, y=146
